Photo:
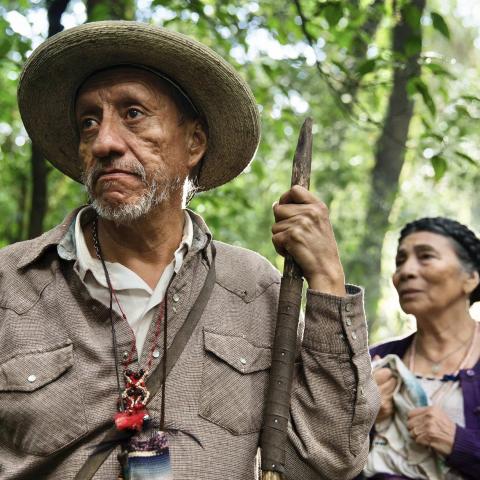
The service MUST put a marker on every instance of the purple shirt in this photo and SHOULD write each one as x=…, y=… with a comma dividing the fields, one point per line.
x=465, y=456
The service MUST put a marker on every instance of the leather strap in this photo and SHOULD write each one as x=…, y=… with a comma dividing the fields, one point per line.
x=155, y=379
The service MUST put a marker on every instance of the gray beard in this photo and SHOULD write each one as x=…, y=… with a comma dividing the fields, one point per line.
x=158, y=191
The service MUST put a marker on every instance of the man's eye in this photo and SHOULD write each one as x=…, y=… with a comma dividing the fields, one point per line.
x=88, y=123
x=133, y=113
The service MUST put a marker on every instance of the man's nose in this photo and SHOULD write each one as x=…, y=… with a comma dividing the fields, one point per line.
x=109, y=141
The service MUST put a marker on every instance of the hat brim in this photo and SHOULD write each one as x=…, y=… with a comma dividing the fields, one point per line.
x=57, y=68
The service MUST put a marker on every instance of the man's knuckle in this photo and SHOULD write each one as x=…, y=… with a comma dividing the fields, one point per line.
x=322, y=209
x=296, y=235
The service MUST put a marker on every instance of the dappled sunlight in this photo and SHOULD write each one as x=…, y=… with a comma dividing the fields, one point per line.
x=312, y=62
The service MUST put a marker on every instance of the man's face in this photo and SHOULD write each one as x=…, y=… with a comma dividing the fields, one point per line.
x=135, y=149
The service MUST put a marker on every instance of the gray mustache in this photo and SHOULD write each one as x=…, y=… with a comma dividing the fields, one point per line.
x=91, y=177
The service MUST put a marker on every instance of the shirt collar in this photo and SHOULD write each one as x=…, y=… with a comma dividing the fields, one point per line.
x=87, y=263
x=62, y=238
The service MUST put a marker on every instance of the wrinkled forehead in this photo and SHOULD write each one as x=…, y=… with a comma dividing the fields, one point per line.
x=123, y=75
x=424, y=239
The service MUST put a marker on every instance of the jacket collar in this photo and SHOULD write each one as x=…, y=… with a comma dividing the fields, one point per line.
x=58, y=236
x=40, y=245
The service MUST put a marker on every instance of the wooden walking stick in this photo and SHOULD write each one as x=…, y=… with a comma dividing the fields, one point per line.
x=277, y=407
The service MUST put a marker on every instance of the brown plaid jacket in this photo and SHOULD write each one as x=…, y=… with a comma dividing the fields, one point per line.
x=57, y=374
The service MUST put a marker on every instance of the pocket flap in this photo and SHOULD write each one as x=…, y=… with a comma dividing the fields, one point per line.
x=27, y=372
x=238, y=352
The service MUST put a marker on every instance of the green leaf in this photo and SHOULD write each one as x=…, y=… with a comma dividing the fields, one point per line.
x=466, y=157
x=366, y=66
x=440, y=25
x=412, y=16
x=438, y=70
x=411, y=86
x=422, y=89
x=439, y=165
x=426, y=123
x=438, y=137
x=5, y=46
x=99, y=12
x=344, y=39
x=333, y=12
x=462, y=110
x=413, y=46
x=471, y=98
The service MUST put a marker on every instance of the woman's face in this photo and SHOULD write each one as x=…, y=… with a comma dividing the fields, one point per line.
x=429, y=277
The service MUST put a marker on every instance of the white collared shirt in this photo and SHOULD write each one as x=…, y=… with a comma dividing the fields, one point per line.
x=137, y=299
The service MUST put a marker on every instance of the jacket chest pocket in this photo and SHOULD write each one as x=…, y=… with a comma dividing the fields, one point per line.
x=40, y=405
x=234, y=382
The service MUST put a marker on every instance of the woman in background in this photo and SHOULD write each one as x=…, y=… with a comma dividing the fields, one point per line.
x=437, y=279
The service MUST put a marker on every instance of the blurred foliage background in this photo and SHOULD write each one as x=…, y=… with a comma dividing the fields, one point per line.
x=392, y=88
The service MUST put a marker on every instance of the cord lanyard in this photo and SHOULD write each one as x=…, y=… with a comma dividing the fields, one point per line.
x=140, y=459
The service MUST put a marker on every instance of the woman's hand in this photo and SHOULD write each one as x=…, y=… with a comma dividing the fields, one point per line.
x=386, y=383
x=431, y=427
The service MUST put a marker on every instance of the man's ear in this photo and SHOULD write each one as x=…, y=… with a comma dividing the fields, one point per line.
x=471, y=282
x=197, y=143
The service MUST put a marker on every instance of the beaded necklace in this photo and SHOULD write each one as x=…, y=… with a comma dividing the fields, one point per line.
x=133, y=399
x=446, y=388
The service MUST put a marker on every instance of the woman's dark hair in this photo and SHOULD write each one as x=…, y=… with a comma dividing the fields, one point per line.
x=464, y=242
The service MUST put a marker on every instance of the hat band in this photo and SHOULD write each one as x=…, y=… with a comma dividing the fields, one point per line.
x=164, y=77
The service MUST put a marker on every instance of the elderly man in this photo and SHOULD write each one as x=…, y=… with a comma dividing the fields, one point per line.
x=132, y=289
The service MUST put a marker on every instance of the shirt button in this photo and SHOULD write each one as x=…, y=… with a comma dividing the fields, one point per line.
x=348, y=321
x=156, y=354
x=470, y=372
x=354, y=335
x=175, y=297
x=243, y=361
x=31, y=378
x=125, y=355
x=348, y=307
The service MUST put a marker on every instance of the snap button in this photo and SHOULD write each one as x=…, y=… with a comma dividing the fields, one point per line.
x=155, y=354
x=470, y=372
x=243, y=361
x=175, y=297
x=32, y=378
x=348, y=321
x=125, y=355
x=354, y=335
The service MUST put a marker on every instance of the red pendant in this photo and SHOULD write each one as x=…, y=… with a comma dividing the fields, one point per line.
x=131, y=421
x=134, y=400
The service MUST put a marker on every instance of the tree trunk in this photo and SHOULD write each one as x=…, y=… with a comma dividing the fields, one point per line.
x=39, y=167
x=39, y=193
x=389, y=159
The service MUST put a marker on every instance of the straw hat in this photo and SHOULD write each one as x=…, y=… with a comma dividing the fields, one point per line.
x=57, y=68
